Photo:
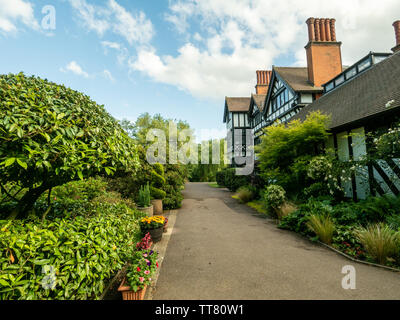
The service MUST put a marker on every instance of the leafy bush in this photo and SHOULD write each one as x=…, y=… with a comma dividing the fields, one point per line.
x=84, y=251
x=244, y=194
x=232, y=181
x=274, y=196
x=322, y=226
x=220, y=176
x=87, y=189
x=297, y=221
x=380, y=241
x=51, y=135
x=286, y=149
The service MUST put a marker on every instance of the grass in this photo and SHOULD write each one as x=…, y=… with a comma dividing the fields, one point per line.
x=259, y=206
x=380, y=241
x=323, y=226
x=215, y=185
x=244, y=195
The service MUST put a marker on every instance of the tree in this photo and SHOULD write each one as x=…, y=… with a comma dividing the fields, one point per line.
x=50, y=135
x=286, y=150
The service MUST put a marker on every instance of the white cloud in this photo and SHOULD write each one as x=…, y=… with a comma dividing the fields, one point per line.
x=12, y=12
x=75, y=68
x=237, y=37
x=107, y=74
x=133, y=27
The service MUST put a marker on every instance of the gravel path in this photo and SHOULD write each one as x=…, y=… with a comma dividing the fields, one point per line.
x=220, y=249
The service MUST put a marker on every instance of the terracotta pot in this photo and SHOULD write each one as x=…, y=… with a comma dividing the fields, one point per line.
x=156, y=234
x=158, y=207
x=129, y=294
x=148, y=210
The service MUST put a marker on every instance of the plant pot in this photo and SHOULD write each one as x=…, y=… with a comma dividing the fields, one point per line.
x=158, y=207
x=156, y=234
x=148, y=211
x=129, y=294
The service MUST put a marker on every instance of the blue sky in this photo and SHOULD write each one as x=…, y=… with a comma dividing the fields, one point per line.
x=177, y=58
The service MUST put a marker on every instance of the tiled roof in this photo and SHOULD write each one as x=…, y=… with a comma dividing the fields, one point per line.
x=259, y=100
x=297, y=78
x=365, y=96
x=238, y=104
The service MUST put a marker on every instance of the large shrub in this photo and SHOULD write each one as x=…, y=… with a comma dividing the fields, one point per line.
x=50, y=135
x=74, y=256
x=157, y=182
x=286, y=150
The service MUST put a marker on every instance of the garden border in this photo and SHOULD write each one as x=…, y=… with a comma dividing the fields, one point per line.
x=359, y=261
x=275, y=222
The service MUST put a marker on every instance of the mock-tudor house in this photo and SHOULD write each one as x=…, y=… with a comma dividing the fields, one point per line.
x=236, y=118
x=291, y=88
x=361, y=98
x=365, y=98
x=257, y=103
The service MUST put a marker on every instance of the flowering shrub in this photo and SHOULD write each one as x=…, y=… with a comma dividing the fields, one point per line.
x=142, y=268
x=152, y=223
x=274, y=196
x=318, y=167
x=387, y=145
x=145, y=243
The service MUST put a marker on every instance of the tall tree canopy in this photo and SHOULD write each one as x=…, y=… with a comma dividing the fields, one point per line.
x=50, y=135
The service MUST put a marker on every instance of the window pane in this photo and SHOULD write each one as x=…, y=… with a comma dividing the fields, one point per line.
x=236, y=120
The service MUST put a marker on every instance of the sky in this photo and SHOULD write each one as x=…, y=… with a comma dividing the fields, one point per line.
x=178, y=58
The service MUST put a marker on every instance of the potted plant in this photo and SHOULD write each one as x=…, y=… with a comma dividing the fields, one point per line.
x=139, y=275
x=165, y=225
x=156, y=188
x=145, y=243
x=143, y=204
x=153, y=225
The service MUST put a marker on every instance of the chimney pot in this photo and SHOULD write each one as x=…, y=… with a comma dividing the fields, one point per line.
x=311, y=29
x=396, y=26
x=333, y=29
x=317, y=30
x=322, y=28
x=328, y=29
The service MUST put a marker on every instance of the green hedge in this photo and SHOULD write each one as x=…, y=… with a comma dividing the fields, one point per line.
x=85, y=252
x=228, y=178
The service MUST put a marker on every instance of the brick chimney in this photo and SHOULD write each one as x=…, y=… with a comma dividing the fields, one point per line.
x=324, y=56
x=396, y=26
x=263, y=79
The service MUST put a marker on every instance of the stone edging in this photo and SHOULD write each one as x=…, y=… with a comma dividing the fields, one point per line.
x=161, y=248
x=275, y=222
x=359, y=261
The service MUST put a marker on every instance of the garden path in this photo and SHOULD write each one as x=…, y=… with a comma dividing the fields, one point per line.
x=220, y=249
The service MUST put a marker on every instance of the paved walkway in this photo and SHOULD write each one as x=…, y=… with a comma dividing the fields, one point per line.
x=220, y=249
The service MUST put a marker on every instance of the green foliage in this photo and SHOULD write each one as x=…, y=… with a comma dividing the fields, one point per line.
x=323, y=226
x=143, y=265
x=144, y=200
x=86, y=251
x=297, y=221
x=286, y=150
x=274, y=196
x=158, y=182
x=207, y=172
x=244, y=194
x=232, y=181
x=380, y=241
x=83, y=189
x=220, y=178
x=50, y=135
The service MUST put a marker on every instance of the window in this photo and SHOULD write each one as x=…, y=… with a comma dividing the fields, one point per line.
x=364, y=65
x=351, y=73
x=235, y=120
x=339, y=80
